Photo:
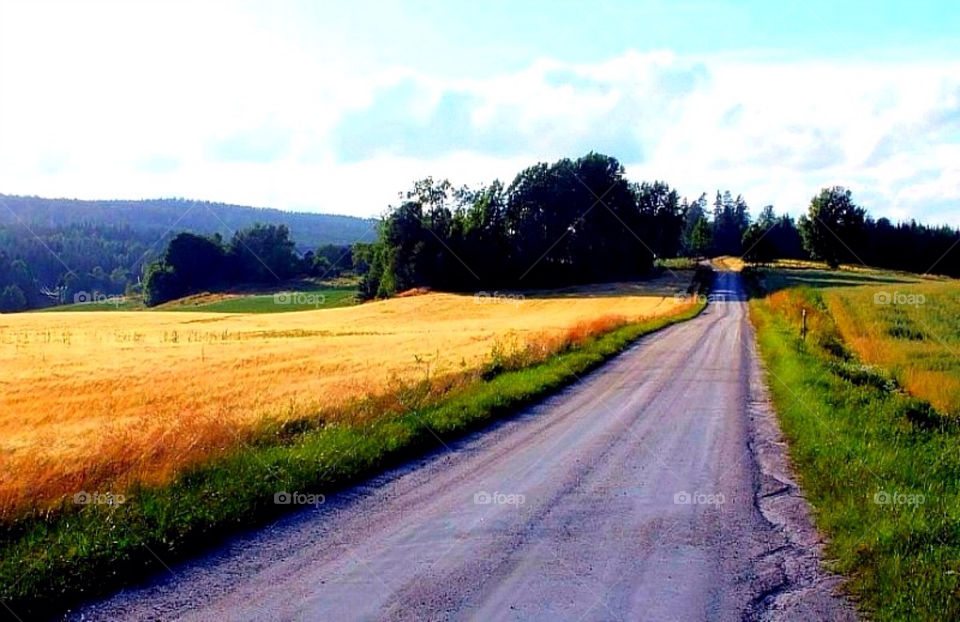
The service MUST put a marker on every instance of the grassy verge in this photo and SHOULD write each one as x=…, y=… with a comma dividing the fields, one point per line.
x=309, y=300
x=881, y=468
x=78, y=553
x=678, y=263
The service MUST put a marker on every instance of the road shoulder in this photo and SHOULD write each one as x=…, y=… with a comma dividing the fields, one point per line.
x=798, y=587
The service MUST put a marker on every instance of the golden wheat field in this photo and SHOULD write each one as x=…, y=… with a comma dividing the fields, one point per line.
x=90, y=400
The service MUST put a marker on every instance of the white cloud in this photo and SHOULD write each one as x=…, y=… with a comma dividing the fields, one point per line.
x=207, y=103
x=802, y=126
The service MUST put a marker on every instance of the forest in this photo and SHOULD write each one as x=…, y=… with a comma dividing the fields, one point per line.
x=51, y=250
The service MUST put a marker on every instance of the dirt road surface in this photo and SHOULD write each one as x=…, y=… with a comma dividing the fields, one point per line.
x=655, y=488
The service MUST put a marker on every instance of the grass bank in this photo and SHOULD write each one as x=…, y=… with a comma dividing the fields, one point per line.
x=299, y=295
x=881, y=468
x=86, y=550
x=278, y=302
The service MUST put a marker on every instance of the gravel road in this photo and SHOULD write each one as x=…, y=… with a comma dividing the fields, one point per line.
x=655, y=488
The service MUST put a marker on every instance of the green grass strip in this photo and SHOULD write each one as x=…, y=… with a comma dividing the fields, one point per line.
x=881, y=470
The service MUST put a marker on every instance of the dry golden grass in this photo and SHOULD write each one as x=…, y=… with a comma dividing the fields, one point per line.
x=907, y=324
x=728, y=262
x=98, y=400
x=918, y=339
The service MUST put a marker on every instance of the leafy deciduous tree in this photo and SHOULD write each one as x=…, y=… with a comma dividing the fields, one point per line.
x=833, y=226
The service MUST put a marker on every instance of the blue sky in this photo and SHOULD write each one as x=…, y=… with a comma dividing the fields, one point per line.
x=504, y=36
x=337, y=107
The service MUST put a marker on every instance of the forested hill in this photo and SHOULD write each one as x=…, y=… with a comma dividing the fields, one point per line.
x=155, y=216
x=53, y=247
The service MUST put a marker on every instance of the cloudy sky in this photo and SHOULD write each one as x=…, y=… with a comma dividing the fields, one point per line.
x=338, y=106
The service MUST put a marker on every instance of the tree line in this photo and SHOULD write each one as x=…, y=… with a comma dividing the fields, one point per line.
x=837, y=230
x=568, y=222
x=194, y=263
x=577, y=221
x=572, y=221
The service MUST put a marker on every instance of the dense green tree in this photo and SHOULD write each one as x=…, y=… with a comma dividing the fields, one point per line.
x=362, y=255
x=369, y=262
x=833, y=226
x=741, y=214
x=71, y=246
x=264, y=253
x=576, y=221
x=693, y=214
x=758, y=245
x=767, y=219
x=161, y=284
x=661, y=217
x=772, y=237
x=701, y=239
x=199, y=262
x=329, y=260
x=484, y=239
x=731, y=217
x=786, y=239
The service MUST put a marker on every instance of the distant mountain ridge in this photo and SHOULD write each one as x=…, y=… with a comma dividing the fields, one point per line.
x=158, y=216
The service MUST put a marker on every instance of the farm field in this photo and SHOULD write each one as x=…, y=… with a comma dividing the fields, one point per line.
x=911, y=330
x=96, y=401
x=907, y=325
